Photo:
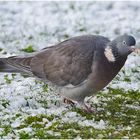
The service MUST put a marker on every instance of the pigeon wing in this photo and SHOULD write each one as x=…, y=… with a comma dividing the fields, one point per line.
x=69, y=62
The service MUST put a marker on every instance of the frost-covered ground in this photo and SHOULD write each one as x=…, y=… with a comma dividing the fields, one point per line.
x=30, y=109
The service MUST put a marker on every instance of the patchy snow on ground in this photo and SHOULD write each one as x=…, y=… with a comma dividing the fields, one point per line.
x=28, y=108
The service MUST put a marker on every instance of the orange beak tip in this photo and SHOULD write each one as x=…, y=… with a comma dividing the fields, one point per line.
x=136, y=50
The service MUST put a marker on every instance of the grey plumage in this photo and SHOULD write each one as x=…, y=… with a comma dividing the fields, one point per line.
x=68, y=62
x=79, y=66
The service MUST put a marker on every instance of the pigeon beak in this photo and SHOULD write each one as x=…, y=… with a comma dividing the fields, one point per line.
x=134, y=49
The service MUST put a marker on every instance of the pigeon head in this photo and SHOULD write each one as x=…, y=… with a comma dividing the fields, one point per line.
x=122, y=46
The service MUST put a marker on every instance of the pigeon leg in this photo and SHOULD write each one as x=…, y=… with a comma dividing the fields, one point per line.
x=88, y=109
x=68, y=101
x=85, y=107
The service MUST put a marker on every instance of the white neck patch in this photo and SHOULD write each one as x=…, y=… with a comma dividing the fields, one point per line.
x=109, y=54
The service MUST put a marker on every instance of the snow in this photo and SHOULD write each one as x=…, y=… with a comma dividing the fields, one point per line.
x=98, y=125
x=15, y=124
x=1, y=129
x=74, y=117
x=48, y=124
x=42, y=24
x=27, y=129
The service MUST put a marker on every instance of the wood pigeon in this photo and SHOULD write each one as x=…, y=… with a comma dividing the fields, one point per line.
x=78, y=67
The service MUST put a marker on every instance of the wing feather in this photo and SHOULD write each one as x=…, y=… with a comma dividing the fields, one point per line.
x=69, y=62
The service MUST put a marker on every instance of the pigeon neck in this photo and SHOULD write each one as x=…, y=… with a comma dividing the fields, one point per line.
x=111, y=53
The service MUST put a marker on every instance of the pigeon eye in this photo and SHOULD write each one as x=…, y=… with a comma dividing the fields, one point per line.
x=124, y=43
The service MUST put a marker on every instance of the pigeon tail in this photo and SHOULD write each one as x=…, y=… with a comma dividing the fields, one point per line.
x=6, y=68
x=15, y=64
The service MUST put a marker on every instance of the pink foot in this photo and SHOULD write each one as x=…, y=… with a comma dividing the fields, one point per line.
x=68, y=101
x=88, y=109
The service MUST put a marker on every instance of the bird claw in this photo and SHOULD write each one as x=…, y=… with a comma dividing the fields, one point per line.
x=88, y=109
x=68, y=101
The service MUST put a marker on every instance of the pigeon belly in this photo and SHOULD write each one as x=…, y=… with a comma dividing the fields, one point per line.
x=99, y=78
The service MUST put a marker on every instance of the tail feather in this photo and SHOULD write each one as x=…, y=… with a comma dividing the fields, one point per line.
x=6, y=68
x=15, y=64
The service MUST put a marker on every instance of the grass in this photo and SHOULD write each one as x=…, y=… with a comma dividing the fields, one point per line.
x=9, y=80
x=28, y=49
x=118, y=108
x=122, y=120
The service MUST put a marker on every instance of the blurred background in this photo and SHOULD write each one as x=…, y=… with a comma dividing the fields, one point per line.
x=43, y=23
